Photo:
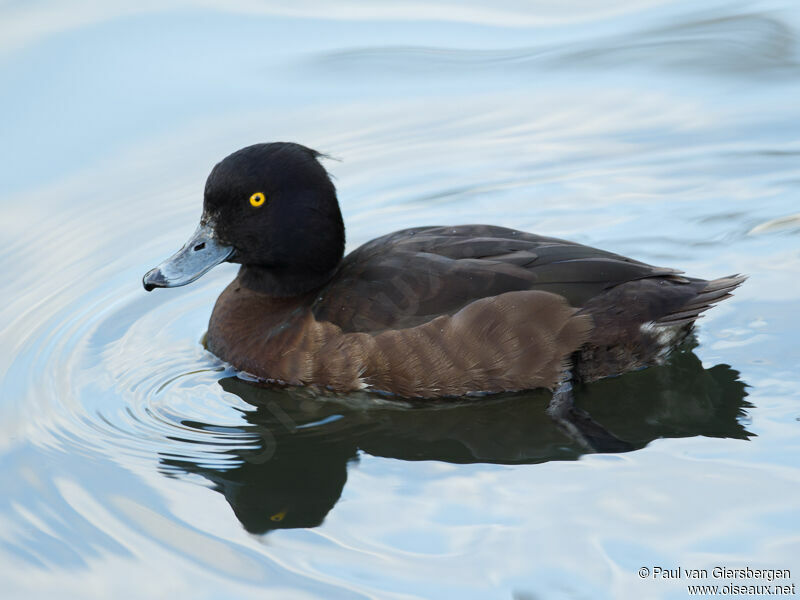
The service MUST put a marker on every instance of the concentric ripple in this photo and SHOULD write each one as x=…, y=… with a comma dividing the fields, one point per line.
x=105, y=368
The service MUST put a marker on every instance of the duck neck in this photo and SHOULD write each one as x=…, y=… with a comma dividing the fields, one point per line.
x=281, y=282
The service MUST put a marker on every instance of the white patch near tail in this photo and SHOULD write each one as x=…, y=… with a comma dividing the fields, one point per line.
x=665, y=336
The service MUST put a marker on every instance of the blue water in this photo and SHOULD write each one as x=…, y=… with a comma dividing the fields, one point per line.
x=133, y=464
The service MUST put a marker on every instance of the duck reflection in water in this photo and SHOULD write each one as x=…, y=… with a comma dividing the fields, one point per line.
x=306, y=443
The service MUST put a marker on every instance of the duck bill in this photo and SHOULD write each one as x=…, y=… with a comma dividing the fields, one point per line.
x=198, y=256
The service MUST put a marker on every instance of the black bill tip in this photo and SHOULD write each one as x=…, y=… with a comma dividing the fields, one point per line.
x=153, y=279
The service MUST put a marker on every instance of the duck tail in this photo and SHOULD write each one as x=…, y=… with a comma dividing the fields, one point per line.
x=712, y=292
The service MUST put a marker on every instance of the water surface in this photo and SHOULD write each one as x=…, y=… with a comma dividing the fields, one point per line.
x=134, y=464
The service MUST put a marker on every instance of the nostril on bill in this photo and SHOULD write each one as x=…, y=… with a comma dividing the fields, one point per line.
x=199, y=246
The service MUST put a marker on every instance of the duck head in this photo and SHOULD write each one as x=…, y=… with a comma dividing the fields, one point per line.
x=271, y=208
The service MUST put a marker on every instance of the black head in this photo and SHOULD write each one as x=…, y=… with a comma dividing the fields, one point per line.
x=273, y=209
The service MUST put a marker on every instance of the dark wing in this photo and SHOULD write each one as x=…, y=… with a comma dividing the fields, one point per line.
x=412, y=276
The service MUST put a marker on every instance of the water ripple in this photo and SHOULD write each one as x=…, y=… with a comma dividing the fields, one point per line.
x=751, y=44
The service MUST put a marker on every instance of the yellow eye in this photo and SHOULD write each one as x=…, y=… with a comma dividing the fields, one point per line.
x=257, y=199
x=278, y=516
